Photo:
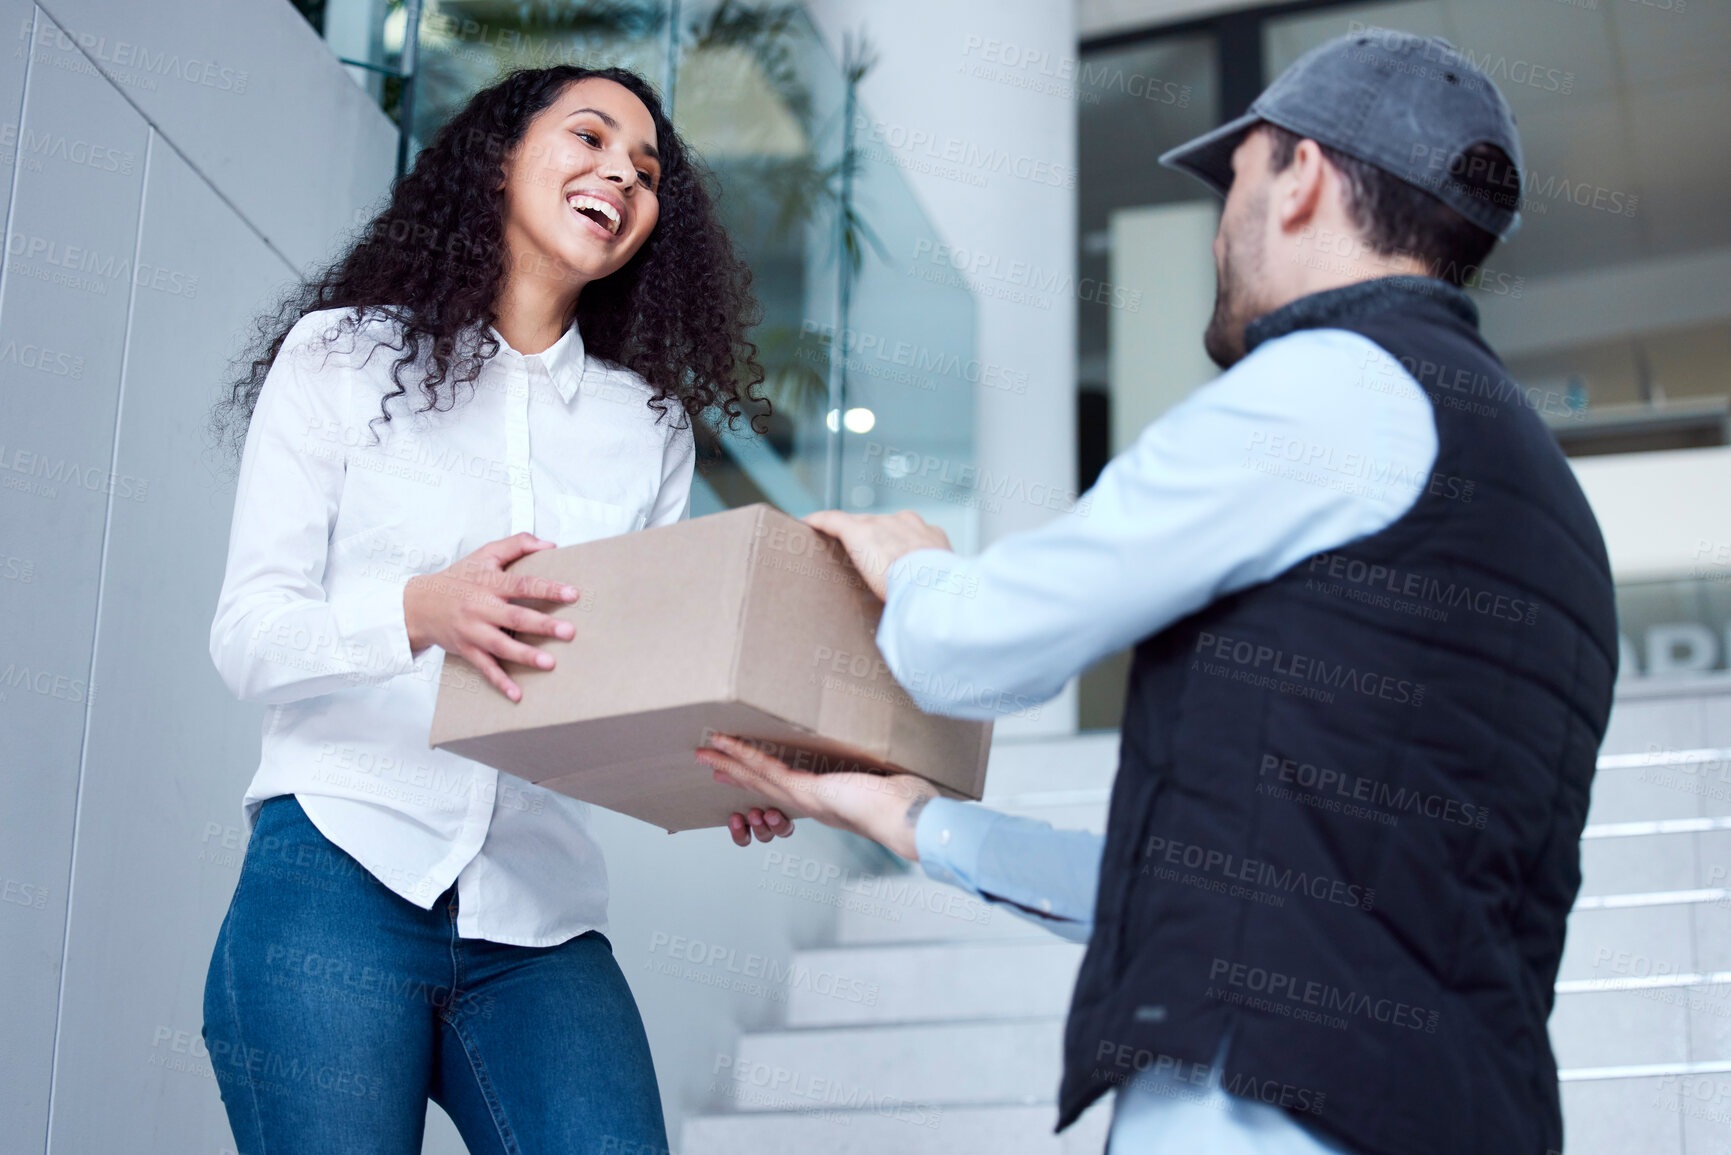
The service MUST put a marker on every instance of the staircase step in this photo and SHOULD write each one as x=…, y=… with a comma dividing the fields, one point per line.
x=944, y=1063
x=937, y=982
x=907, y=1130
x=1643, y=941
x=1652, y=862
x=908, y=908
x=1630, y=790
x=1657, y=1024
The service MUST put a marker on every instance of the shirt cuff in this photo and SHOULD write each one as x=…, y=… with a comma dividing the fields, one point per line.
x=948, y=837
x=377, y=631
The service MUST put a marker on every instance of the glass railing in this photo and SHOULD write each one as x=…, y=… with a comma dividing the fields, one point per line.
x=869, y=351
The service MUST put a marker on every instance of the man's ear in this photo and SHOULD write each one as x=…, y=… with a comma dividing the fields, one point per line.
x=1300, y=188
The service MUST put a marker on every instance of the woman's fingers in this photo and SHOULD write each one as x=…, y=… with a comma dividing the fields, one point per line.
x=492, y=671
x=465, y=608
x=544, y=589
x=506, y=648
x=761, y=824
x=524, y=620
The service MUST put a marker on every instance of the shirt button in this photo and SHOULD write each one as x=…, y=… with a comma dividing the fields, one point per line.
x=944, y=838
x=1046, y=905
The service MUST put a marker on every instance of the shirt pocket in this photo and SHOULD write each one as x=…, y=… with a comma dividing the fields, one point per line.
x=578, y=519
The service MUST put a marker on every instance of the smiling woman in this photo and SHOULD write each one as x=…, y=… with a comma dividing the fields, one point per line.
x=580, y=198
x=492, y=195
x=510, y=357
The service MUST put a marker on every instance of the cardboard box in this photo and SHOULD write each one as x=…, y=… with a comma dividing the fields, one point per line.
x=747, y=622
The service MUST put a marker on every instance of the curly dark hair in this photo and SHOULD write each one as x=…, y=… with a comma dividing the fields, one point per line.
x=434, y=261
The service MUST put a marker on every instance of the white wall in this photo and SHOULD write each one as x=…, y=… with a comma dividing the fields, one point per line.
x=170, y=166
x=1664, y=515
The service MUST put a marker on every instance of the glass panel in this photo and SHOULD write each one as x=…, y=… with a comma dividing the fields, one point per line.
x=465, y=45
x=753, y=95
x=368, y=35
x=1624, y=122
x=906, y=354
x=1677, y=628
x=766, y=104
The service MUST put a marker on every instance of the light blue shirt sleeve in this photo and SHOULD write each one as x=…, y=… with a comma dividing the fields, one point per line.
x=1046, y=876
x=1314, y=440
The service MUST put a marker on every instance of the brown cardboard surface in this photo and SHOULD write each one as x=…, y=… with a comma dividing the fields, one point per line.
x=745, y=622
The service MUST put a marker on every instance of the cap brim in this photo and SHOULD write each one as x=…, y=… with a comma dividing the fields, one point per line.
x=1208, y=158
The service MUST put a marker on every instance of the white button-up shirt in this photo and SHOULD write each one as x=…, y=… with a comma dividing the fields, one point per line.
x=328, y=527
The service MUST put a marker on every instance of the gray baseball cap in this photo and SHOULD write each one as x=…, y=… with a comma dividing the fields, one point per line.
x=1410, y=105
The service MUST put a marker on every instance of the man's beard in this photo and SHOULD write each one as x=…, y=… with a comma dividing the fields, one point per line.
x=1241, y=257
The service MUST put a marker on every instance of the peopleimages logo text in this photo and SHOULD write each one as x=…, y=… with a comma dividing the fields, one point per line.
x=1278, y=985
x=1164, y=855
x=1324, y=781
x=1302, y=668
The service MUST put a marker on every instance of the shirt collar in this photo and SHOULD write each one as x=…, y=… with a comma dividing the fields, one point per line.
x=564, y=360
x=1366, y=298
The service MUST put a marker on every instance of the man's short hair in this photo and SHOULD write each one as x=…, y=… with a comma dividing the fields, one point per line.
x=1399, y=218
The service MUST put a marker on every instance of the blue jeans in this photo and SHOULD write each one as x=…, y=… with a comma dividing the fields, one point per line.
x=334, y=1010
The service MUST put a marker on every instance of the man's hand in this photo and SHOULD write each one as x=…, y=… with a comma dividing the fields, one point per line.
x=882, y=807
x=875, y=540
x=465, y=610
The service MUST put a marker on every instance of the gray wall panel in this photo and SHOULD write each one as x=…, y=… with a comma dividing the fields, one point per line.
x=252, y=96
x=136, y=906
x=15, y=23
x=63, y=305
x=168, y=752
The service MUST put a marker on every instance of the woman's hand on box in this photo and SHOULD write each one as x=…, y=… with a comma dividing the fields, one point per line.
x=465, y=610
x=882, y=807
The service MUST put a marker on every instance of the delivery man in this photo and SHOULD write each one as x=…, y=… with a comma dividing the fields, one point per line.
x=1374, y=650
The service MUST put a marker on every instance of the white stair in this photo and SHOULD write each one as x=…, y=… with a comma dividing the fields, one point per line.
x=937, y=1130
x=934, y=1022
x=1012, y=1062
x=1015, y=978
x=1642, y=1025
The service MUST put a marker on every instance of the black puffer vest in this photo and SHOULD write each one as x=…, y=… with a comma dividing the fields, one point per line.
x=1347, y=815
